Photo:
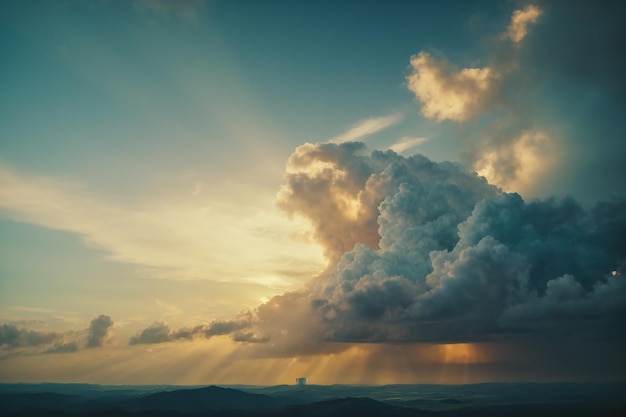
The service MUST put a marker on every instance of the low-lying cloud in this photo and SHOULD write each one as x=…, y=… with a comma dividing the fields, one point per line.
x=427, y=252
x=14, y=338
x=160, y=332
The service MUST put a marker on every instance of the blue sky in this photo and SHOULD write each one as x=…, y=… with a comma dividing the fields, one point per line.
x=144, y=146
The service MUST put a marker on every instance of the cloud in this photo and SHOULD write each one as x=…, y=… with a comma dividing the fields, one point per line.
x=250, y=337
x=65, y=347
x=520, y=20
x=13, y=337
x=98, y=331
x=436, y=254
x=332, y=186
x=514, y=165
x=446, y=92
x=587, y=96
x=226, y=326
x=407, y=143
x=426, y=252
x=368, y=127
x=155, y=333
x=160, y=332
x=565, y=297
x=538, y=119
x=497, y=91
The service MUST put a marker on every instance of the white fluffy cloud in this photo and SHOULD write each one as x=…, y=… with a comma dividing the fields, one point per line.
x=368, y=127
x=407, y=143
x=446, y=92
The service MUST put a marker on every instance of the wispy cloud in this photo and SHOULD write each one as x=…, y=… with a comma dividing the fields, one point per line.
x=368, y=127
x=406, y=143
x=518, y=28
x=447, y=92
x=174, y=237
x=160, y=332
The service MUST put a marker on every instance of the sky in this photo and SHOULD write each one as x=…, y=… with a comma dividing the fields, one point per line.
x=246, y=192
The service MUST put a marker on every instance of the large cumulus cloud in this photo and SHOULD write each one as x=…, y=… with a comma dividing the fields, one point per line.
x=458, y=260
x=421, y=251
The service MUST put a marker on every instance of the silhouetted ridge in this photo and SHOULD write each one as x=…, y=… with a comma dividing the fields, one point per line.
x=477, y=400
x=209, y=398
x=348, y=407
x=38, y=400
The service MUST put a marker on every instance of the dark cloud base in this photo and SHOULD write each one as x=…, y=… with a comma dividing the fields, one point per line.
x=15, y=339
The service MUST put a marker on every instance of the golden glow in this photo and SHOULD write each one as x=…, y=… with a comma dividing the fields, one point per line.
x=519, y=167
x=220, y=361
x=406, y=143
x=463, y=353
x=350, y=206
x=444, y=91
x=172, y=236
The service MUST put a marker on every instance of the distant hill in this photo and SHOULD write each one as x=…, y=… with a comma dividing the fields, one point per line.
x=38, y=400
x=209, y=398
x=347, y=407
x=477, y=400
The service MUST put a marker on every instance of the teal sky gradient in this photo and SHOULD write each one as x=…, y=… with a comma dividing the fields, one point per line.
x=142, y=143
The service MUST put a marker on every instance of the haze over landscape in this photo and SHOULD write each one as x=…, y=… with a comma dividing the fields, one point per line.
x=244, y=192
